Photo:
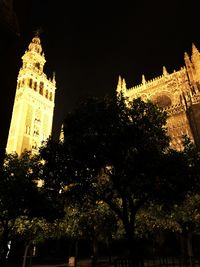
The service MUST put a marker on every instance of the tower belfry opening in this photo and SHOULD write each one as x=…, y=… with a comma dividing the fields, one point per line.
x=33, y=109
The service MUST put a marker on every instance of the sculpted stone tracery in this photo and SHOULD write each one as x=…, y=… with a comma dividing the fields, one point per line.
x=177, y=93
x=162, y=100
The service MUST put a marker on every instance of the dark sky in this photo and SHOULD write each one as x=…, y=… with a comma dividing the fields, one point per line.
x=90, y=43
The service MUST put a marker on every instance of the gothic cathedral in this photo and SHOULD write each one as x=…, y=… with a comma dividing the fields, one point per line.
x=33, y=109
x=178, y=93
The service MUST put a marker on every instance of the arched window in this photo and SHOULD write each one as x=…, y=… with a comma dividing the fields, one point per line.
x=18, y=85
x=35, y=86
x=34, y=145
x=41, y=88
x=30, y=83
x=162, y=101
x=50, y=96
x=37, y=65
x=46, y=94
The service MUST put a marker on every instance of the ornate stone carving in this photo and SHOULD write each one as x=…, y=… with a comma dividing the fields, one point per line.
x=179, y=94
x=32, y=115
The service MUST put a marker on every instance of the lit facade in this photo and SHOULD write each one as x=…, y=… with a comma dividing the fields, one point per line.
x=33, y=109
x=178, y=93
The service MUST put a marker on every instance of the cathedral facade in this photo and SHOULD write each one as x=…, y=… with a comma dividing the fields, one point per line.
x=178, y=93
x=33, y=109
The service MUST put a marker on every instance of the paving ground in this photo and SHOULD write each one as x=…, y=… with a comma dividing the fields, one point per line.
x=80, y=263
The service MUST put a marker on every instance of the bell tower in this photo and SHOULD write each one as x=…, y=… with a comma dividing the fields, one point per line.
x=32, y=115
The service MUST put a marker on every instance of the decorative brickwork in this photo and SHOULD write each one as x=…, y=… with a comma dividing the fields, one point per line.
x=33, y=109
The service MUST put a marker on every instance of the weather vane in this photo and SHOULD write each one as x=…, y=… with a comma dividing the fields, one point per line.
x=38, y=32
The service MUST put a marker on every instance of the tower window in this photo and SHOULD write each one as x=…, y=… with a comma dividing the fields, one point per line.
x=30, y=83
x=18, y=85
x=37, y=65
x=41, y=88
x=46, y=94
x=34, y=145
x=50, y=97
x=35, y=86
x=27, y=130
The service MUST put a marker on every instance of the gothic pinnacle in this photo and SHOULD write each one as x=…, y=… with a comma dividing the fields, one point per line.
x=143, y=79
x=164, y=71
x=194, y=49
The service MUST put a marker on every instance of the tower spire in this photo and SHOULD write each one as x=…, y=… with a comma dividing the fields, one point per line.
x=119, y=81
x=123, y=84
x=195, y=59
x=165, y=73
x=119, y=85
x=143, y=79
x=194, y=49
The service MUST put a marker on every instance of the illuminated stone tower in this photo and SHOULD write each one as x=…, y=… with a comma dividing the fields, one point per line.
x=178, y=93
x=33, y=108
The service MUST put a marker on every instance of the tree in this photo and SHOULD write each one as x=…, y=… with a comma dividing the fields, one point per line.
x=179, y=190
x=91, y=221
x=84, y=219
x=186, y=212
x=17, y=187
x=112, y=152
x=21, y=197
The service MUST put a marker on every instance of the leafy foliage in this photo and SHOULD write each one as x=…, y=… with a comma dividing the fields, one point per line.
x=18, y=186
x=21, y=198
x=111, y=153
x=117, y=153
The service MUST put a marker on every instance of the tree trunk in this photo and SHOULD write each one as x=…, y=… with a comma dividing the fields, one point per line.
x=4, y=246
x=135, y=253
x=108, y=245
x=26, y=253
x=95, y=252
x=186, y=247
x=181, y=238
x=189, y=249
x=189, y=245
x=76, y=252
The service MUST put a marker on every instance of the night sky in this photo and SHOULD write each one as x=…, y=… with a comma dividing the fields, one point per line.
x=90, y=43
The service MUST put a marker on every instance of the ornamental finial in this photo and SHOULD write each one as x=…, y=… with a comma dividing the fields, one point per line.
x=38, y=32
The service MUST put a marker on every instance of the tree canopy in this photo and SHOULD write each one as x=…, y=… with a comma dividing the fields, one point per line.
x=20, y=196
x=111, y=153
x=117, y=152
